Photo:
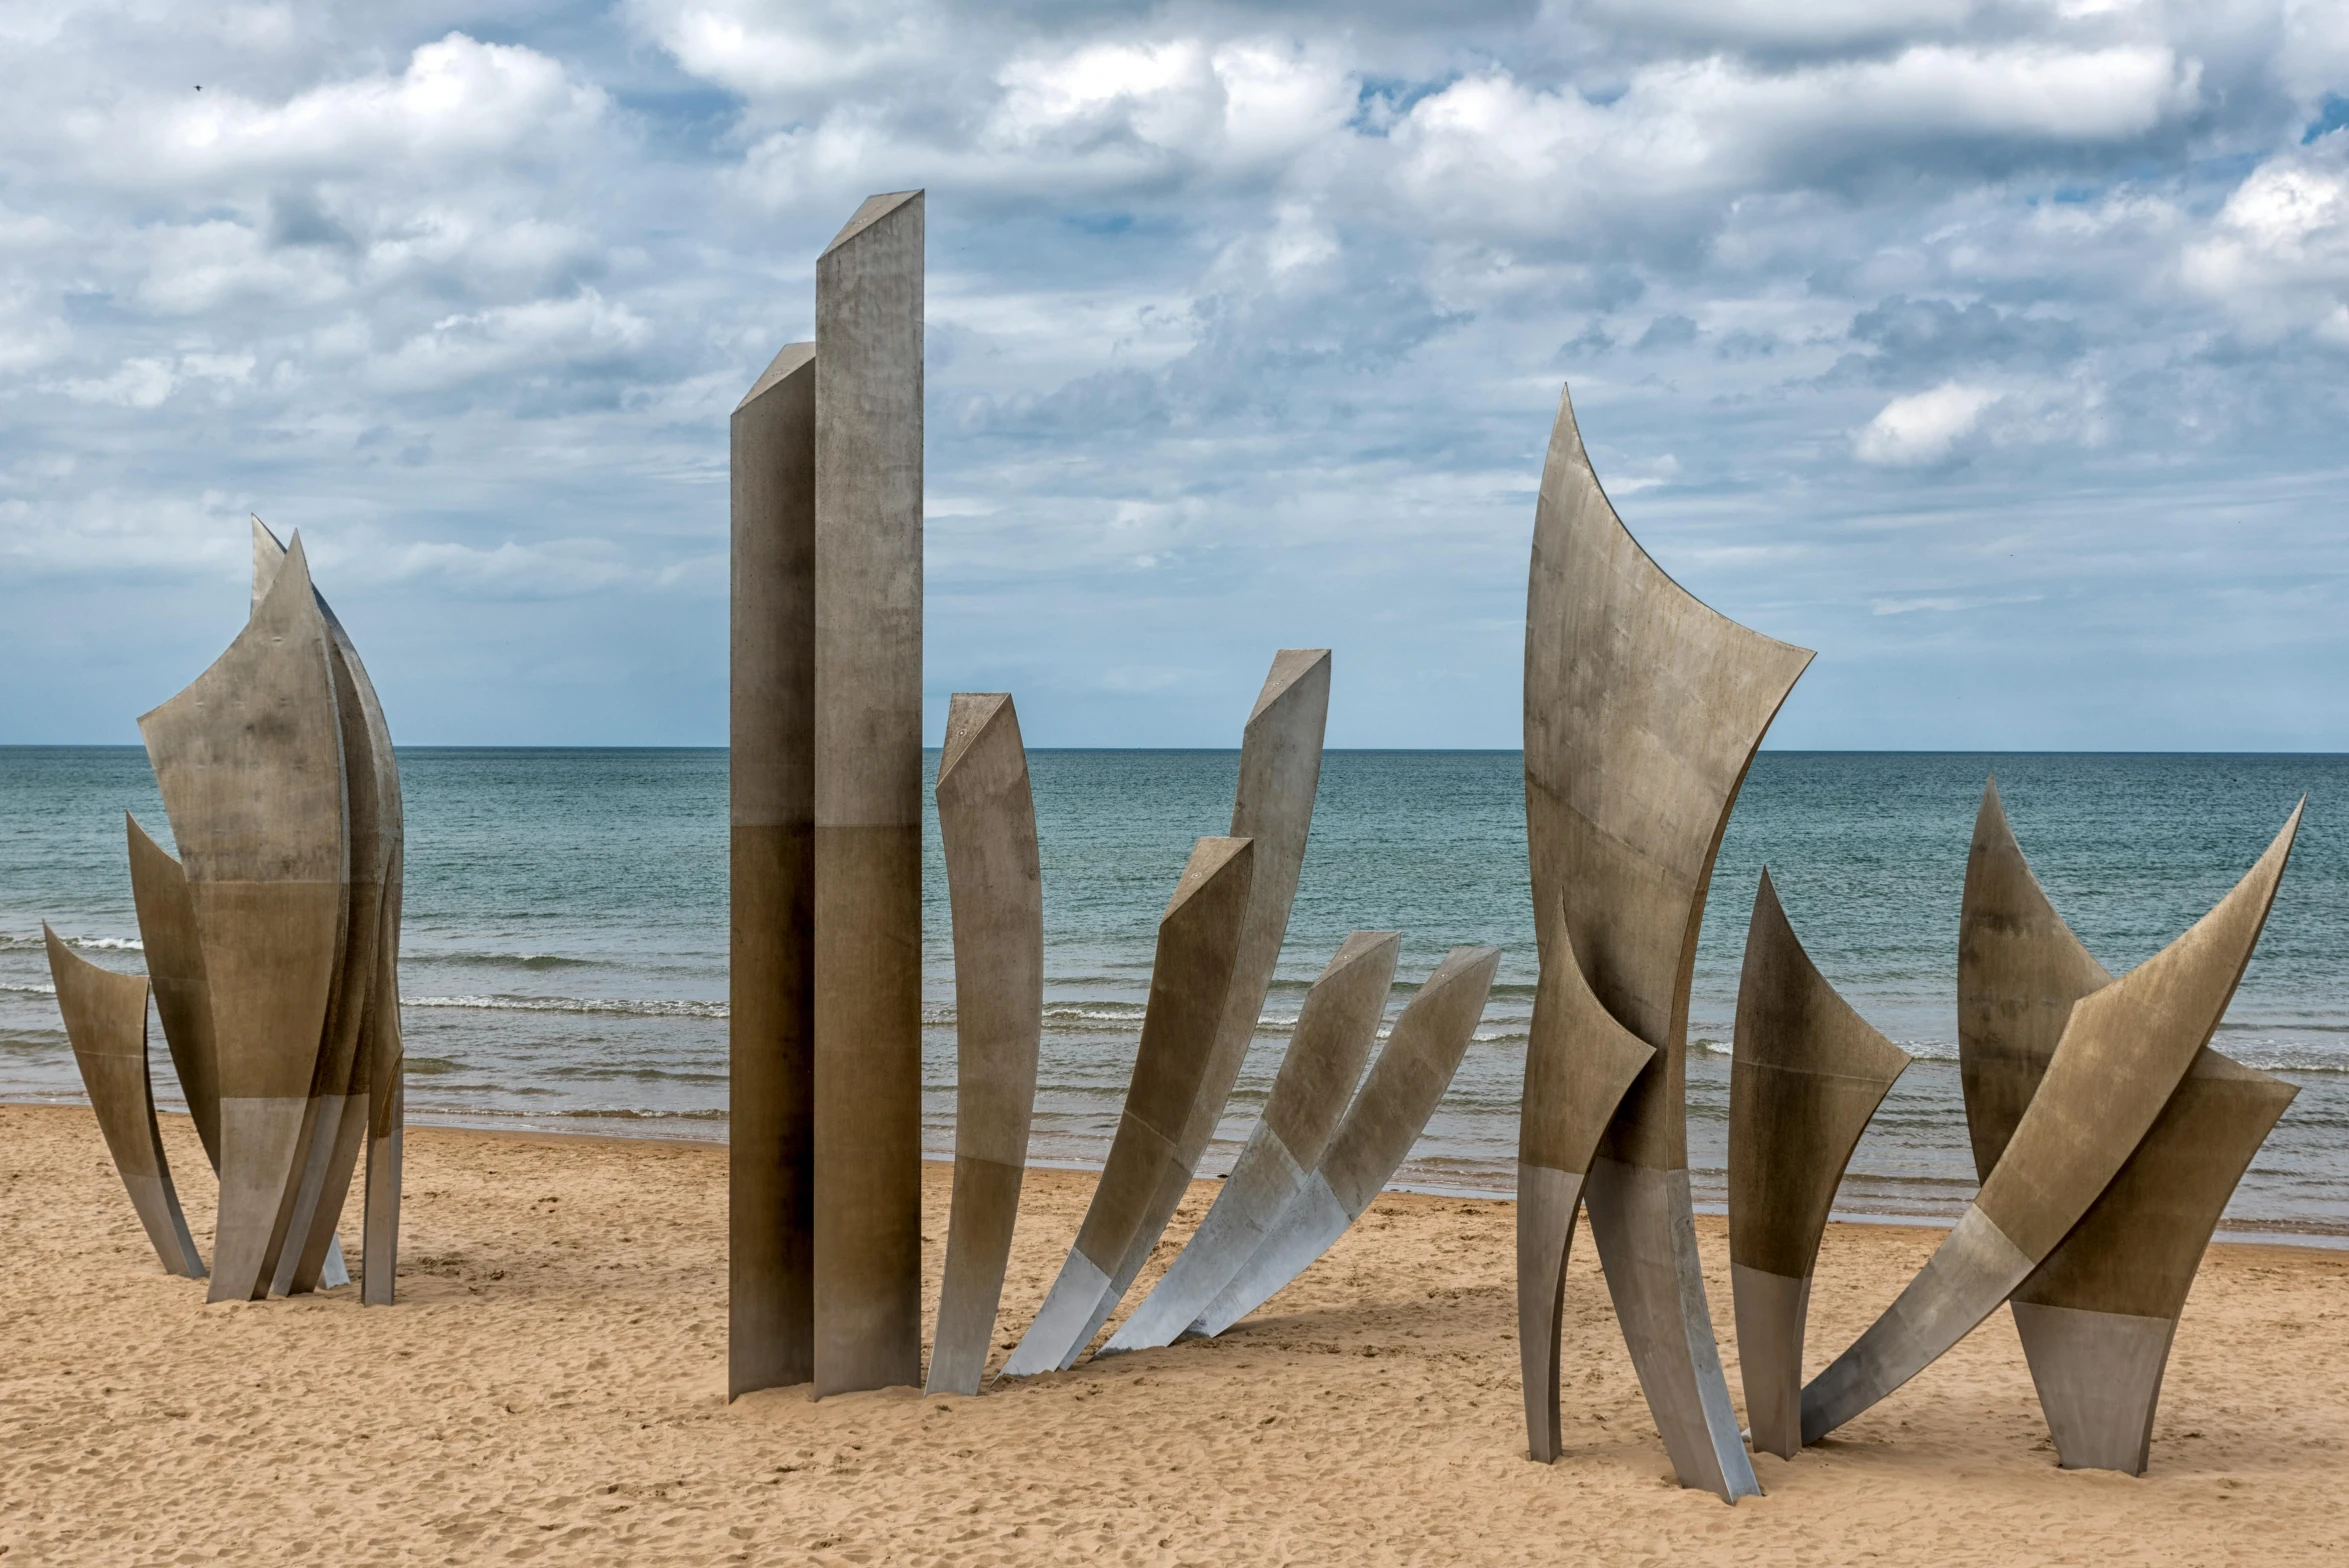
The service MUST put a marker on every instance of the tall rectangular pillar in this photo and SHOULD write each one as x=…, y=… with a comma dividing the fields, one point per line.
x=771, y=783
x=868, y=817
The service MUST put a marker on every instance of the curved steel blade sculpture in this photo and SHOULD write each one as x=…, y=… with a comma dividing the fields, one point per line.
x=2020, y=969
x=1198, y=948
x=385, y=1053
x=2097, y=1318
x=770, y=1250
x=1642, y=712
x=2124, y=1051
x=106, y=1019
x=1808, y=1074
x=249, y=761
x=362, y=1039
x=1385, y=1120
x=342, y=1087
x=987, y=819
x=329, y=1083
x=1336, y=1027
x=175, y=969
x=1578, y=1066
x=1280, y=771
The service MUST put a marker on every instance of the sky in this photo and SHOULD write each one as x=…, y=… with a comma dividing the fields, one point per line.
x=1999, y=352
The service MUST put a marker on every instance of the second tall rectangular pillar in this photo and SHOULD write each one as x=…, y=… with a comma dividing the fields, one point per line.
x=868, y=809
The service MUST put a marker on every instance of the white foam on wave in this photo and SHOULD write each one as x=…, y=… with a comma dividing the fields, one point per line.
x=95, y=944
x=629, y=1007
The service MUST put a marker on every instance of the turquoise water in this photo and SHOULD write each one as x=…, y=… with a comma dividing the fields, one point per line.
x=565, y=952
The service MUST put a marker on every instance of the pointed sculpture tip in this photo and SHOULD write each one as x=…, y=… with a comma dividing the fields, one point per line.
x=268, y=556
x=1290, y=668
x=1210, y=858
x=1463, y=963
x=2215, y=1064
x=1991, y=828
x=2270, y=866
x=789, y=360
x=2280, y=848
x=873, y=210
x=969, y=715
x=1566, y=441
x=294, y=569
x=1770, y=924
x=1361, y=947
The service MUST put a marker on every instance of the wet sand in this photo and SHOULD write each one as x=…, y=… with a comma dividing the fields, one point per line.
x=551, y=1387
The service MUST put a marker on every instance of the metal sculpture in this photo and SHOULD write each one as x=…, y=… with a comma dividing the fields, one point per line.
x=175, y=970
x=387, y=1112
x=1808, y=1074
x=1336, y=1028
x=770, y=1339
x=2020, y=969
x=2097, y=1318
x=1280, y=772
x=867, y=729
x=322, y=1109
x=2122, y=1055
x=1198, y=949
x=1385, y=1120
x=1642, y=712
x=1578, y=1066
x=987, y=819
x=362, y=1028
x=249, y=762
x=106, y=1019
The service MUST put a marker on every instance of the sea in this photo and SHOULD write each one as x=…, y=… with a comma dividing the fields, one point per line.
x=564, y=960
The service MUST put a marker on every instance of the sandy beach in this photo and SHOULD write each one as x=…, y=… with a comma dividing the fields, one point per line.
x=551, y=1387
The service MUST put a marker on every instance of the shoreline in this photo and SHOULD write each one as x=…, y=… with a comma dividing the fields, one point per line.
x=2239, y=1233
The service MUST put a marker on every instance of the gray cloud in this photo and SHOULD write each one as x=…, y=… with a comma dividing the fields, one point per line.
x=1990, y=348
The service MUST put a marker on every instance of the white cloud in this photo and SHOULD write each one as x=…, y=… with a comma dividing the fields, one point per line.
x=540, y=337
x=30, y=335
x=2278, y=255
x=138, y=383
x=1098, y=120
x=1923, y=427
x=545, y=568
x=236, y=368
x=458, y=97
x=1947, y=604
x=769, y=49
x=198, y=267
x=1492, y=152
